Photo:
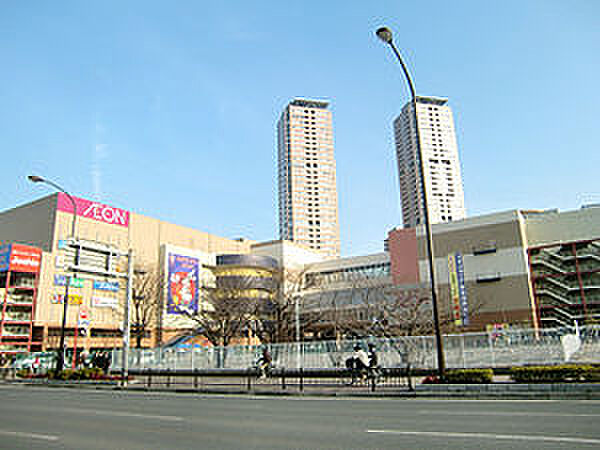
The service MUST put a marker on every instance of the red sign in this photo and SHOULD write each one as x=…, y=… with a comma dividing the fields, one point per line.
x=24, y=258
x=83, y=314
x=94, y=210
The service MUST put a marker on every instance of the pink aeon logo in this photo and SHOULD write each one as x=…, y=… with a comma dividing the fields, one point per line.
x=94, y=210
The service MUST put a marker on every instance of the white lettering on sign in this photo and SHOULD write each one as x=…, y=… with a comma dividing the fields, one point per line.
x=25, y=262
x=94, y=210
x=105, y=214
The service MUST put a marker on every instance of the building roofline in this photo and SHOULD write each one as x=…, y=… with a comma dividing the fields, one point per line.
x=432, y=100
x=310, y=103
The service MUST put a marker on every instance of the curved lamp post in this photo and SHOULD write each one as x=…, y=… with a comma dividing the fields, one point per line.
x=61, y=348
x=385, y=34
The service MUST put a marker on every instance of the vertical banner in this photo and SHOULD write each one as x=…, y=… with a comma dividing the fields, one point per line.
x=458, y=292
x=454, y=297
x=462, y=290
x=182, y=285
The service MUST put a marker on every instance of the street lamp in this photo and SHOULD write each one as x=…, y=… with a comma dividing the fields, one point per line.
x=61, y=348
x=385, y=34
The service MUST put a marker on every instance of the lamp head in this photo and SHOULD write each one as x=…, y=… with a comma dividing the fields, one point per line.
x=35, y=179
x=385, y=34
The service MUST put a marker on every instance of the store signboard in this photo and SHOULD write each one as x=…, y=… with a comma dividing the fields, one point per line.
x=20, y=258
x=104, y=302
x=94, y=210
x=182, y=284
x=74, y=299
x=61, y=280
x=111, y=286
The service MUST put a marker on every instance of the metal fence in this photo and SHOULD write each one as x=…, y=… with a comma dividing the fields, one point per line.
x=512, y=347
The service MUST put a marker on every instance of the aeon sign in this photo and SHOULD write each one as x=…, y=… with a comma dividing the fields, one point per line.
x=94, y=210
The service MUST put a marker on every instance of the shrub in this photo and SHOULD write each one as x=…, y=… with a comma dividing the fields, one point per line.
x=469, y=376
x=591, y=374
x=23, y=373
x=549, y=374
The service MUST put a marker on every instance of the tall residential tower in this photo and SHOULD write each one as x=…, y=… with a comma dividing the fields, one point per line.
x=443, y=180
x=308, y=210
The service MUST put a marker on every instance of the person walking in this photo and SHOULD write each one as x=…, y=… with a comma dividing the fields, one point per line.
x=264, y=363
x=373, y=362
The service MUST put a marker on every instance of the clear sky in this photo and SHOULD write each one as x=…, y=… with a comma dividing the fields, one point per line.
x=169, y=109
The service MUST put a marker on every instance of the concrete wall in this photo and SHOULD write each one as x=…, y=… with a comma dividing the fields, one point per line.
x=554, y=227
x=31, y=224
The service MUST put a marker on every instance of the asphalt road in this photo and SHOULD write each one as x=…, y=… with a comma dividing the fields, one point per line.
x=42, y=418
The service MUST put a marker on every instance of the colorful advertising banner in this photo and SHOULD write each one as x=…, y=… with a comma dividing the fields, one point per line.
x=111, y=286
x=20, y=258
x=94, y=210
x=458, y=292
x=182, y=285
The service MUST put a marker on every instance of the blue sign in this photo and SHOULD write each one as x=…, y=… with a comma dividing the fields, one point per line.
x=112, y=286
x=5, y=258
x=61, y=280
x=462, y=291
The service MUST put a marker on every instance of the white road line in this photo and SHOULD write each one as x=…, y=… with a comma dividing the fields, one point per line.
x=511, y=437
x=44, y=437
x=122, y=414
x=502, y=413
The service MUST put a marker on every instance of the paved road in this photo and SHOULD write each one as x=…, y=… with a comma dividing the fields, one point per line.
x=41, y=418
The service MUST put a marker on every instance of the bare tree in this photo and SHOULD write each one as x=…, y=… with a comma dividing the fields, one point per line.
x=294, y=310
x=146, y=303
x=226, y=311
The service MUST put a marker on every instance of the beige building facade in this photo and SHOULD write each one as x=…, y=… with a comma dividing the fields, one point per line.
x=536, y=268
x=308, y=205
x=442, y=172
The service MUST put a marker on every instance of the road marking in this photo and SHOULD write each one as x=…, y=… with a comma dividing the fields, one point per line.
x=512, y=437
x=113, y=413
x=502, y=413
x=44, y=437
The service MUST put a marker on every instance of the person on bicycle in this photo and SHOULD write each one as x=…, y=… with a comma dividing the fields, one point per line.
x=360, y=362
x=264, y=363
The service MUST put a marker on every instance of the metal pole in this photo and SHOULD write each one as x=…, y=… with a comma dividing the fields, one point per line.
x=126, y=320
x=427, y=224
x=298, y=345
x=60, y=360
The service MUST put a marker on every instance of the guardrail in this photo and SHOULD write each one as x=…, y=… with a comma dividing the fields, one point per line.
x=249, y=379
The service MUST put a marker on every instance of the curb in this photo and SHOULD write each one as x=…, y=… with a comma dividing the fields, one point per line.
x=562, y=391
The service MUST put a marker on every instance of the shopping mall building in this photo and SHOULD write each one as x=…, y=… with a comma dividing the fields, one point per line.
x=532, y=268
x=32, y=295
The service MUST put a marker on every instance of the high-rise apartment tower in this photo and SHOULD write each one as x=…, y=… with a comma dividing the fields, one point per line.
x=443, y=181
x=308, y=210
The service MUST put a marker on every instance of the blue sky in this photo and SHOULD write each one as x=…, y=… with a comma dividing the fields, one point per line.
x=169, y=109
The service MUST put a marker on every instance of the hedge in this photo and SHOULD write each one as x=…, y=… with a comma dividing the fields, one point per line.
x=469, y=376
x=554, y=374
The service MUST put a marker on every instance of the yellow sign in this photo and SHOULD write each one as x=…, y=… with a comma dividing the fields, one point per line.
x=454, y=292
